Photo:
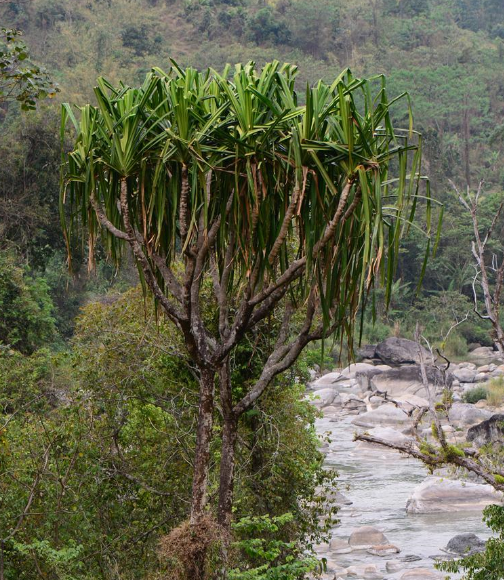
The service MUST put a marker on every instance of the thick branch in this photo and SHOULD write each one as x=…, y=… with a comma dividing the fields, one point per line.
x=171, y=310
x=438, y=459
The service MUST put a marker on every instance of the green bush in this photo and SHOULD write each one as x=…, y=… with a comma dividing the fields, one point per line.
x=476, y=394
x=26, y=308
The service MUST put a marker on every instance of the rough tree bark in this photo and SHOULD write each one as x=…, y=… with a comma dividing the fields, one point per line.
x=203, y=441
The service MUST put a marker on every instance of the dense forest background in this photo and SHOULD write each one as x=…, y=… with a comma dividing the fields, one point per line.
x=87, y=330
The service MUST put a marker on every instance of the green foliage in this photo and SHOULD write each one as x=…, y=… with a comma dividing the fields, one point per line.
x=138, y=39
x=269, y=558
x=26, y=320
x=263, y=26
x=476, y=394
x=427, y=449
x=245, y=130
x=20, y=79
x=453, y=451
x=116, y=415
x=29, y=187
x=24, y=380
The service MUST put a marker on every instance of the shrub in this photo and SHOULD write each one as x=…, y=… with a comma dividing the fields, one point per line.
x=26, y=308
x=264, y=26
x=476, y=394
x=495, y=392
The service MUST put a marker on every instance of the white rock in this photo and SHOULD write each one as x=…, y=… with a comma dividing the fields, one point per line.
x=334, y=568
x=365, y=537
x=483, y=352
x=364, y=571
x=386, y=415
x=327, y=380
x=339, y=546
x=383, y=550
x=437, y=494
x=394, y=566
x=464, y=375
x=386, y=433
x=467, y=365
x=465, y=414
x=350, y=370
x=331, y=410
x=351, y=401
x=324, y=397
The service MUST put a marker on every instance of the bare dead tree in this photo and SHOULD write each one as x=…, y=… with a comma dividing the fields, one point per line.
x=489, y=268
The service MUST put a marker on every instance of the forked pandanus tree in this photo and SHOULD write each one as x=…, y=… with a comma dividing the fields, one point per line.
x=288, y=211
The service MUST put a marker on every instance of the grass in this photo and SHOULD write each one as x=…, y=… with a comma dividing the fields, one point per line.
x=495, y=392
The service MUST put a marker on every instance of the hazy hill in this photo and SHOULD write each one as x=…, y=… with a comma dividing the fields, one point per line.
x=448, y=53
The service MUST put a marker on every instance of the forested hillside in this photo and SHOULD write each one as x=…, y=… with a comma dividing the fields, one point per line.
x=98, y=391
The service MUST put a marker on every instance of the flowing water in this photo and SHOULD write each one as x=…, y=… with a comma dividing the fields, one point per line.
x=379, y=483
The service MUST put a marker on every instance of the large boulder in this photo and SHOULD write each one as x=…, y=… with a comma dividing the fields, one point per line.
x=437, y=494
x=483, y=352
x=365, y=537
x=489, y=431
x=327, y=380
x=352, y=402
x=465, y=414
x=339, y=546
x=387, y=415
x=399, y=351
x=352, y=369
x=365, y=378
x=465, y=545
x=324, y=397
x=408, y=380
x=366, y=351
x=464, y=375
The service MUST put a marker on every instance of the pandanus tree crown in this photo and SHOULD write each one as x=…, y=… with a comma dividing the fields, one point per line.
x=320, y=176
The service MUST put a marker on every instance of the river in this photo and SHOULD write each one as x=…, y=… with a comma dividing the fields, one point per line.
x=379, y=483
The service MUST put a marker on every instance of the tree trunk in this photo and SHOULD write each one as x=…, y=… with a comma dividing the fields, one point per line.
x=203, y=439
x=227, y=464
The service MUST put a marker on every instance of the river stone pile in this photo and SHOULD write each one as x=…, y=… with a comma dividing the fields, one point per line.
x=382, y=392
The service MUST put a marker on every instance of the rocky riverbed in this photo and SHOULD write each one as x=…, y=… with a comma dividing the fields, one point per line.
x=395, y=519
